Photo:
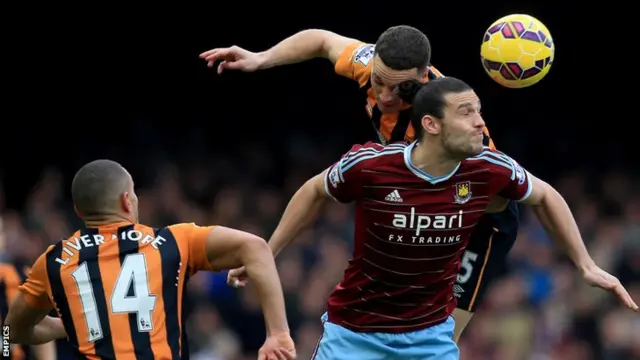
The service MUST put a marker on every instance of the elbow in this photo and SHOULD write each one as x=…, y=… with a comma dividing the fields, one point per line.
x=318, y=40
x=325, y=41
x=254, y=248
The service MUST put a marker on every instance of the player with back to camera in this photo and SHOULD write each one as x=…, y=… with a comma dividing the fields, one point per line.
x=89, y=278
x=396, y=298
x=401, y=53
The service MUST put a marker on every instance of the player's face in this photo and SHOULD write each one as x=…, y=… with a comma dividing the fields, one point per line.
x=384, y=81
x=462, y=126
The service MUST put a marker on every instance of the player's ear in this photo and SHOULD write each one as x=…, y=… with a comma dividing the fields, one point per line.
x=77, y=212
x=125, y=200
x=431, y=124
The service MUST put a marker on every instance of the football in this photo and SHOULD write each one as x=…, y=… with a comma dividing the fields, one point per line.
x=517, y=51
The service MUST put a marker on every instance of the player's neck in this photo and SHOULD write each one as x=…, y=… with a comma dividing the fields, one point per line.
x=106, y=220
x=432, y=159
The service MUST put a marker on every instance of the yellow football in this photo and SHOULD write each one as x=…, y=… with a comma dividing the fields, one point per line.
x=517, y=51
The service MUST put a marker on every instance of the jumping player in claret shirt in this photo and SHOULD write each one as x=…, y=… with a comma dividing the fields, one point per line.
x=401, y=53
x=416, y=205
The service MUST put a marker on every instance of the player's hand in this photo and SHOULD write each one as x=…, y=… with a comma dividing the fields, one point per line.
x=237, y=277
x=278, y=347
x=595, y=276
x=233, y=58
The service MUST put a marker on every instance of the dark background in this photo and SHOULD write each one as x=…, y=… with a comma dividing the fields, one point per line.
x=79, y=84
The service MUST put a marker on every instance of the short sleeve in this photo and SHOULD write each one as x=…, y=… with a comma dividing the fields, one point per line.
x=36, y=288
x=517, y=180
x=195, y=238
x=356, y=62
x=345, y=179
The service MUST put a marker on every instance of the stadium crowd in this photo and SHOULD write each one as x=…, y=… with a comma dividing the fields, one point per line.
x=538, y=310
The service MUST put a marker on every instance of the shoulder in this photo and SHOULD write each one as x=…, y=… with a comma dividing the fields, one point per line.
x=496, y=161
x=371, y=152
x=374, y=146
x=355, y=62
x=185, y=226
x=362, y=159
x=145, y=228
x=61, y=242
x=363, y=54
x=180, y=230
x=358, y=53
x=183, y=231
x=49, y=255
x=56, y=248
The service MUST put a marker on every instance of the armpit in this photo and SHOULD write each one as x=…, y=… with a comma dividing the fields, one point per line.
x=498, y=204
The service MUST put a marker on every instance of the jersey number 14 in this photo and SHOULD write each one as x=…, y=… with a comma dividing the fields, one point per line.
x=133, y=274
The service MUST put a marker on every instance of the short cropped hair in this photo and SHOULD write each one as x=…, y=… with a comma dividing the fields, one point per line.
x=429, y=98
x=97, y=187
x=404, y=48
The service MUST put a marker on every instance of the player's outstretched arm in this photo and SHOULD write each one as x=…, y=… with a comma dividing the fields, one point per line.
x=32, y=326
x=228, y=248
x=343, y=181
x=302, y=211
x=302, y=46
x=554, y=214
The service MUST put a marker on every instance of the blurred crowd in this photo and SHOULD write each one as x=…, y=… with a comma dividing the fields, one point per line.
x=539, y=309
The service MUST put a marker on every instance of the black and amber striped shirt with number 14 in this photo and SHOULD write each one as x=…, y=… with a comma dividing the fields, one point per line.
x=119, y=289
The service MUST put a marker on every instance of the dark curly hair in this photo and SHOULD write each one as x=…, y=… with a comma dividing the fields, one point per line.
x=404, y=48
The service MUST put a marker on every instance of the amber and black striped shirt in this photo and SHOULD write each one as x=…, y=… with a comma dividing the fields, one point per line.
x=119, y=289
